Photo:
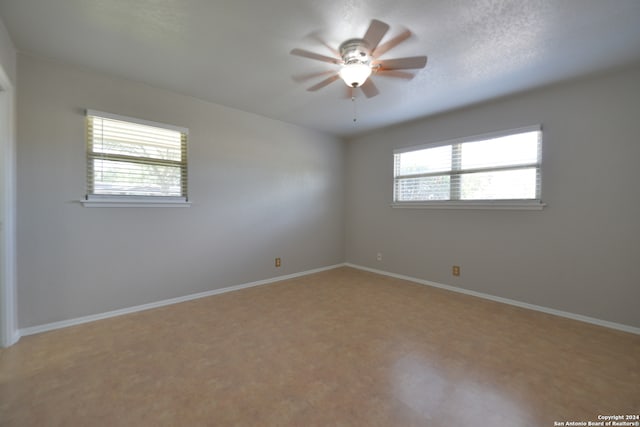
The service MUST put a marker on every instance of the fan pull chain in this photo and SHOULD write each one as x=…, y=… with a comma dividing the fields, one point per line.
x=355, y=111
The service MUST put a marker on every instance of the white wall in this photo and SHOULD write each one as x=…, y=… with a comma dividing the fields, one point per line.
x=579, y=255
x=260, y=189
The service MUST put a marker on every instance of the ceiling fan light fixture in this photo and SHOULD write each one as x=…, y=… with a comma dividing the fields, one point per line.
x=355, y=74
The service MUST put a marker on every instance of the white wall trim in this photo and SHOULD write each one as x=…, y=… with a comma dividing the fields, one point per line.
x=8, y=312
x=515, y=205
x=573, y=316
x=126, y=202
x=93, y=317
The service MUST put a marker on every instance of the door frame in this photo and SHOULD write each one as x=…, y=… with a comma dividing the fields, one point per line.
x=9, y=333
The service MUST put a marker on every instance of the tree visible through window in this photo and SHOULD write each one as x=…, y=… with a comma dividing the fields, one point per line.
x=503, y=166
x=131, y=157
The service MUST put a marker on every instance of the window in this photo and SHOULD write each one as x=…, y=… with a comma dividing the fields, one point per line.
x=497, y=170
x=132, y=160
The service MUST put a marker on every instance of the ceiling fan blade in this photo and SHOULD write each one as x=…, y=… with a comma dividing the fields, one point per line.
x=369, y=89
x=375, y=33
x=308, y=76
x=316, y=56
x=324, y=83
x=387, y=46
x=408, y=63
x=395, y=73
x=316, y=37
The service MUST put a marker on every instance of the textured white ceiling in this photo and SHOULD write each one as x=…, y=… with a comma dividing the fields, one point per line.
x=236, y=52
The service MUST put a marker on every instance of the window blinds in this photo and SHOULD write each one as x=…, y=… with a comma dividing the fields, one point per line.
x=132, y=157
x=502, y=166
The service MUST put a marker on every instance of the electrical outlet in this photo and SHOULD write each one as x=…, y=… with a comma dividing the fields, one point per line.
x=455, y=270
x=379, y=256
x=278, y=262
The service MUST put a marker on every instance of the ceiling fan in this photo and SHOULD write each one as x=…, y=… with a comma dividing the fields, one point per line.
x=358, y=60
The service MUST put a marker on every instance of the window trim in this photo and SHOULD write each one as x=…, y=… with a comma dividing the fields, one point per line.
x=124, y=200
x=110, y=201
x=516, y=204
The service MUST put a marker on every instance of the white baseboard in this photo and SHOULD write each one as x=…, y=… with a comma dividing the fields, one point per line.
x=85, y=319
x=579, y=317
x=14, y=338
x=93, y=317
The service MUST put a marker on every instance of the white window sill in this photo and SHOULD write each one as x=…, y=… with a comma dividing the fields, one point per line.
x=134, y=202
x=530, y=205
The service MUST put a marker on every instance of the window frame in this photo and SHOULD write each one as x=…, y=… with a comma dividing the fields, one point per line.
x=125, y=200
x=510, y=204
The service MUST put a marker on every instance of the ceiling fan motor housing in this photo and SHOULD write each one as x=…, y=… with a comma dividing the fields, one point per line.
x=355, y=51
